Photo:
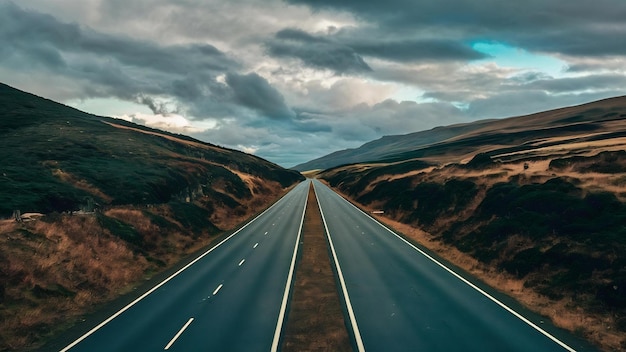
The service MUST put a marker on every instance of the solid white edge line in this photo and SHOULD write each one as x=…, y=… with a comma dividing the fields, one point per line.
x=178, y=334
x=355, y=327
x=283, y=306
x=493, y=299
x=115, y=315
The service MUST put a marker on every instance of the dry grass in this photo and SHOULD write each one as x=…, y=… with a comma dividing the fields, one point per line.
x=564, y=313
x=81, y=184
x=171, y=138
x=54, y=270
x=315, y=320
x=264, y=192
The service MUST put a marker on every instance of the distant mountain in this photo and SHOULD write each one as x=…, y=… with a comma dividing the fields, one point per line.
x=442, y=142
x=54, y=157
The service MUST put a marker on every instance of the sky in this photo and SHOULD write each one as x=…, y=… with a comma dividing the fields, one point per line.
x=294, y=80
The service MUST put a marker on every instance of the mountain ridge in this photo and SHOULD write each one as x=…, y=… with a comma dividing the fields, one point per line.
x=398, y=147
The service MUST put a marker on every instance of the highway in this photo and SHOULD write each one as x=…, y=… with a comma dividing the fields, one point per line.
x=231, y=298
x=397, y=298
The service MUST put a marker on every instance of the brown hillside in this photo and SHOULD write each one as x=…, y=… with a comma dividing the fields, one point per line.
x=537, y=211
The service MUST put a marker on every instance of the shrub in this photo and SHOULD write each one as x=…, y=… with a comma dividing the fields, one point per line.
x=524, y=262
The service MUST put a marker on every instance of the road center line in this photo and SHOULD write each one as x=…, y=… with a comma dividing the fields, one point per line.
x=266, y=231
x=241, y=262
x=178, y=334
x=355, y=327
x=255, y=245
x=217, y=289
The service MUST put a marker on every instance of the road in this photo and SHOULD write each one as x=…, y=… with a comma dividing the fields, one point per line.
x=232, y=298
x=400, y=299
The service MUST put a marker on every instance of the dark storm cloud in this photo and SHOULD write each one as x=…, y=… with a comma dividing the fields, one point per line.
x=254, y=92
x=574, y=84
x=27, y=30
x=113, y=65
x=416, y=50
x=344, y=52
x=316, y=52
x=155, y=106
x=576, y=27
x=311, y=127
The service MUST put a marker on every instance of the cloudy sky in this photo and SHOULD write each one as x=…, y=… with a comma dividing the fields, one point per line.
x=294, y=80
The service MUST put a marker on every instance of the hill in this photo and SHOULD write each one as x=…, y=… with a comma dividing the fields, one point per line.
x=104, y=203
x=442, y=144
x=533, y=205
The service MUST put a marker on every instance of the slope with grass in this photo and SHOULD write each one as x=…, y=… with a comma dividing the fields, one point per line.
x=534, y=206
x=120, y=202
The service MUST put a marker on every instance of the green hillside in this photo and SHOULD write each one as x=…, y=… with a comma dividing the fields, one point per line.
x=54, y=157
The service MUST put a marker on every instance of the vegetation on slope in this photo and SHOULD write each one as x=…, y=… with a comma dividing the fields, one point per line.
x=147, y=199
x=540, y=201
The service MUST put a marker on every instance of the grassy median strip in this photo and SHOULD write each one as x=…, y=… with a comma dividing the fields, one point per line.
x=315, y=321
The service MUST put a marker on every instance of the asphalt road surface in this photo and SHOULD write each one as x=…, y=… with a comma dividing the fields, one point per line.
x=400, y=299
x=232, y=298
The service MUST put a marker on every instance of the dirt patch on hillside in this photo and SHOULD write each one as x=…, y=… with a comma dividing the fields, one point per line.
x=162, y=135
x=315, y=320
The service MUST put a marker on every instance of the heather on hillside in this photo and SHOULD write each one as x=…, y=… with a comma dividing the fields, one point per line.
x=558, y=224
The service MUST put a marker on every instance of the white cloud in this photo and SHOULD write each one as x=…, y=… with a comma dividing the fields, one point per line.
x=169, y=122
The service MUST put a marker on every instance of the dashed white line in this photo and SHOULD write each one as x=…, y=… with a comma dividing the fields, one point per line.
x=217, y=289
x=256, y=245
x=241, y=262
x=128, y=306
x=178, y=334
x=266, y=231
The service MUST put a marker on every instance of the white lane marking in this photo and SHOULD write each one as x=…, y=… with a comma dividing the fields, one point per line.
x=217, y=289
x=178, y=334
x=355, y=327
x=481, y=291
x=241, y=262
x=266, y=231
x=283, y=306
x=115, y=315
x=255, y=245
